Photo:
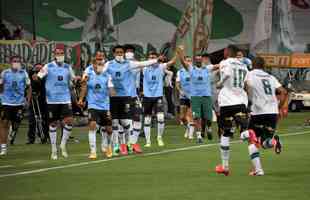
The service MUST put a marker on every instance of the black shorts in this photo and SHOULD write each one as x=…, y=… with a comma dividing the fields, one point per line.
x=152, y=103
x=59, y=111
x=235, y=113
x=264, y=125
x=11, y=113
x=120, y=107
x=102, y=117
x=135, y=107
x=185, y=102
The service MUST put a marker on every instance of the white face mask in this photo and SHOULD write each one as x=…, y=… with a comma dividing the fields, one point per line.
x=16, y=66
x=100, y=68
x=119, y=58
x=60, y=59
x=129, y=55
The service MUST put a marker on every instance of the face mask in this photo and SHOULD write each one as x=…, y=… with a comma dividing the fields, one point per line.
x=16, y=65
x=119, y=58
x=198, y=63
x=60, y=59
x=100, y=68
x=129, y=55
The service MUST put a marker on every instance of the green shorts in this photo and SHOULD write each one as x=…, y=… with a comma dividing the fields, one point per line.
x=202, y=107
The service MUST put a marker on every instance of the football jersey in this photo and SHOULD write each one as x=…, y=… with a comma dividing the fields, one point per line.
x=153, y=80
x=262, y=92
x=232, y=92
x=14, y=85
x=123, y=78
x=57, y=84
x=200, y=83
x=184, y=77
x=98, y=90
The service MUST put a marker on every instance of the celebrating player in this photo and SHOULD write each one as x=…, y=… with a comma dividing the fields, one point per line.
x=59, y=76
x=183, y=85
x=232, y=101
x=13, y=82
x=201, y=100
x=97, y=86
x=153, y=97
x=123, y=74
x=262, y=89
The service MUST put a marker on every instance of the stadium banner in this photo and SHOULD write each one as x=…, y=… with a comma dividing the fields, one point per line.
x=194, y=29
x=77, y=53
x=295, y=60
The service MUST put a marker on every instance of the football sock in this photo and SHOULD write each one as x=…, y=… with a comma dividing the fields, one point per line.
x=66, y=134
x=224, y=148
x=53, y=138
x=92, y=140
x=254, y=155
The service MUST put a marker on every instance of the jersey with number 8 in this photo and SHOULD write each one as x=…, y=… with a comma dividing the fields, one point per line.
x=262, y=88
x=233, y=92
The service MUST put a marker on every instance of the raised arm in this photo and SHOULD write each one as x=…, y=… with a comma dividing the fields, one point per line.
x=142, y=64
x=181, y=55
x=172, y=61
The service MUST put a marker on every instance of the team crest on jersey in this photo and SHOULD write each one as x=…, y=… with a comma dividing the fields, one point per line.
x=97, y=86
x=60, y=78
x=14, y=84
x=118, y=74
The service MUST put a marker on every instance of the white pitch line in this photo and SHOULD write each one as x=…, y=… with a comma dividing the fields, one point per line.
x=128, y=157
x=6, y=166
x=34, y=162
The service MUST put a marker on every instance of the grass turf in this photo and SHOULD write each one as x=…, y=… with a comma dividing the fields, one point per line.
x=187, y=174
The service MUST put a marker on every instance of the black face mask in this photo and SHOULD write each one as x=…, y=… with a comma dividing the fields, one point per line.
x=198, y=63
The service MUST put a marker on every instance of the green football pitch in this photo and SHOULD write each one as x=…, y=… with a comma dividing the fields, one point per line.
x=180, y=170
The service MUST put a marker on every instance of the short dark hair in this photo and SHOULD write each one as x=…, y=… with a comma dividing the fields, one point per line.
x=129, y=46
x=205, y=55
x=259, y=62
x=232, y=50
x=152, y=53
x=118, y=47
x=15, y=56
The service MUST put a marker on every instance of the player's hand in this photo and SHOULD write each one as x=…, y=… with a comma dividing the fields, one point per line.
x=161, y=58
x=181, y=47
x=219, y=85
x=35, y=77
x=81, y=104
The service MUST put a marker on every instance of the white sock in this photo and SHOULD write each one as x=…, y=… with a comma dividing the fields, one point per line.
x=254, y=155
x=147, y=133
x=115, y=137
x=92, y=140
x=53, y=137
x=225, y=151
x=115, y=134
x=65, y=135
x=104, y=138
x=135, y=132
x=191, y=131
x=160, y=129
x=198, y=133
x=3, y=147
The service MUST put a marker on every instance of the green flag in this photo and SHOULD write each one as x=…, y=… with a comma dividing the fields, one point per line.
x=194, y=29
